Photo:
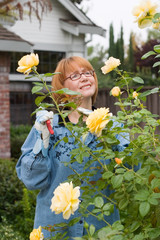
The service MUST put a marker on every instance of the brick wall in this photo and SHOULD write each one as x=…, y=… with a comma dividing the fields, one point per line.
x=4, y=106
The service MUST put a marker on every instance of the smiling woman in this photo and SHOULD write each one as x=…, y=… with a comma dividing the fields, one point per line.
x=77, y=74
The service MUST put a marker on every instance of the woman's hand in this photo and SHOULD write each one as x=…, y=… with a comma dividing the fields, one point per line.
x=41, y=126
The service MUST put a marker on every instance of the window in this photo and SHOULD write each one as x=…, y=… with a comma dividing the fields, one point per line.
x=21, y=107
x=48, y=60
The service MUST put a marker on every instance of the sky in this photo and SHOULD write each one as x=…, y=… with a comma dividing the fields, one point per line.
x=117, y=12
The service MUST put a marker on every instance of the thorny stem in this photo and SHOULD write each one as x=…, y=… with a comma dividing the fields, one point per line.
x=94, y=215
x=109, y=199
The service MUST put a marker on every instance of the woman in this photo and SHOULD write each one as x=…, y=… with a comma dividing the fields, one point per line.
x=41, y=166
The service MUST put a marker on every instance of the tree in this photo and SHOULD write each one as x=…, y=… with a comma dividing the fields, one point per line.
x=140, y=51
x=121, y=45
x=144, y=67
x=11, y=7
x=112, y=47
x=131, y=54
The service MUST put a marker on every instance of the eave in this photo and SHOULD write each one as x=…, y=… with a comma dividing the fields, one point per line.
x=76, y=28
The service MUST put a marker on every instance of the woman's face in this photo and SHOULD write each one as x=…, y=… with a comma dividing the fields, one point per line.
x=85, y=85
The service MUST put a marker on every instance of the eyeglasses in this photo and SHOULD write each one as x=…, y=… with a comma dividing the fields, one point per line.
x=76, y=76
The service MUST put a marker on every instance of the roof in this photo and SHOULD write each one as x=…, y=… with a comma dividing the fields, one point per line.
x=9, y=41
x=76, y=28
x=82, y=20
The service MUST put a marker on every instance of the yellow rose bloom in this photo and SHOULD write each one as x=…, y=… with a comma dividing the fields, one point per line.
x=115, y=91
x=27, y=62
x=36, y=234
x=135, y=94
x=97, y=120
x=144, y=13
x=65, y=199
x=110, y=65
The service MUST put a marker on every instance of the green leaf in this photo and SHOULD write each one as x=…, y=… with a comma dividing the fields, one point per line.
x=117, y=226
x=154, y=233
x=155, y=183
x=157, y=56
x=98, y=202
x=142, y=195
x=129, y=175
x=38, y=83
x=117, y=181
x=153, y=201
x=139, y=236
x=74, y=221
x=103, y=232
x=67, y=91
x=107, y=175
x=31, y=76
x=156, y=18
x=65, y=139
x=135, y=225
x=46, y=105
x=91, y=229
x=156, y=64
x=148, y=54
x=70, y=104
x=36, y=89
x=108, y=207
x=96, y=210
x=138, y=80
x=39, y=99
x=156, y=195
x=50, y=74
x=157, y=48
x=123, y=203
x=144, y=209
x=148, y=92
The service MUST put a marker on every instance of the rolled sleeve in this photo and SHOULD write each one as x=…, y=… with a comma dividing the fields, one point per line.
x=33, y=170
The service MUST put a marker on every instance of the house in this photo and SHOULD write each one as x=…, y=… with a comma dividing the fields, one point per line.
x=62, y=33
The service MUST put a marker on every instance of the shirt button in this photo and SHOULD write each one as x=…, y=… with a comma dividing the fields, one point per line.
x=80, y=221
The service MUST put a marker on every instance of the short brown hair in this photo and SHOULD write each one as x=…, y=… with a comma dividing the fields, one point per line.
x=68, y=65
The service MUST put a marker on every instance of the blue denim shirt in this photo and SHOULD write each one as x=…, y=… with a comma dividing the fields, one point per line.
x=46, y=173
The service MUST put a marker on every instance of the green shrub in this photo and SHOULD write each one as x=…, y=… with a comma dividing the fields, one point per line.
x=18, y=136
x=7, y=232
x=17, y=204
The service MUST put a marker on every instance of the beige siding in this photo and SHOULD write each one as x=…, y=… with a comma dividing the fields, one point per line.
x=49, y=36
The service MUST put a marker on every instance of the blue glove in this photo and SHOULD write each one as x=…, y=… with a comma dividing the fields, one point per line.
x=42, y=142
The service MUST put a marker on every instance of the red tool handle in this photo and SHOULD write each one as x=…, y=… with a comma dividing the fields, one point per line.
x=48, y=122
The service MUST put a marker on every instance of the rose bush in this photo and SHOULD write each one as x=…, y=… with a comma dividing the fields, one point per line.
x=132, y=189
x=136, y=192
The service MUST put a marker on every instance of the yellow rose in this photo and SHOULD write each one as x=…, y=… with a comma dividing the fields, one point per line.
x=97, y=120
x=144, y=13
x=27, y=62
x=110, y=64
x=135, y=94
x=36, y=234
x=115, y=91
x=65, y=199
